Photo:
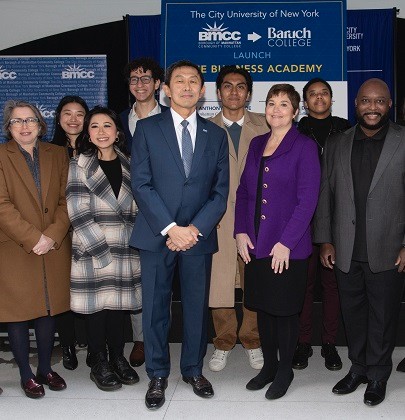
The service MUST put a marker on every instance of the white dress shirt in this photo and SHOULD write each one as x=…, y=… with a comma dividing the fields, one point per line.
x=192, y=128
x=133, y=117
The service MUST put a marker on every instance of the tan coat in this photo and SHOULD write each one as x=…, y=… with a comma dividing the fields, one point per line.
x=225, y=271
x=24, y=276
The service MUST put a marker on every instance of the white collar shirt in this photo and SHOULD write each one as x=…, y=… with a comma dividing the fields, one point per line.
x=192, y=127
x=133, y=116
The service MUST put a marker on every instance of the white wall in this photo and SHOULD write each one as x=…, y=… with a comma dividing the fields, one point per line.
x=26, y=20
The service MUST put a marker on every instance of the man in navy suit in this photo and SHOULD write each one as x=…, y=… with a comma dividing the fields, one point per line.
x=180, y=180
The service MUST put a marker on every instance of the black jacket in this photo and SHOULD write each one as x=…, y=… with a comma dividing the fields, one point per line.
x=338, y=125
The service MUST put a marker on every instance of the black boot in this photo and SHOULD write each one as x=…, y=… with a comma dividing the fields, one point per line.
x=69, y=357
x=122, y=368
x=103, y=374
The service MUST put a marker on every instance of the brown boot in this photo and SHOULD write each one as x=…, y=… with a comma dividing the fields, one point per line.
x=137, y=356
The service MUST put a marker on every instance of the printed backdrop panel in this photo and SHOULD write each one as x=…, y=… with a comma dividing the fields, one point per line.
x=288, y=41
x=44, y=80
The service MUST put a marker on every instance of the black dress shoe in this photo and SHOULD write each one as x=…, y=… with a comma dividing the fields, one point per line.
x=259, y=382
x=201, y=385
x=349, y=383
x=69, y=357
x=276, y=391
x=302, y=353
x=375, y=392
x=102, y=374
x=53, y=380
x=332, y=358
x=123, y=370
x=155, y=395
x=401, y=366
x=33, y=389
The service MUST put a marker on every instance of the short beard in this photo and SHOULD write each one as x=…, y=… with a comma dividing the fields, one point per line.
x=383, y=120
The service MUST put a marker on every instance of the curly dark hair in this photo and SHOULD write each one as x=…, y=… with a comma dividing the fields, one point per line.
x=145, y=63
x=83, y=145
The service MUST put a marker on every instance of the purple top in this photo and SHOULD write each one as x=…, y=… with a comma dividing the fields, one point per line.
x=290, y=191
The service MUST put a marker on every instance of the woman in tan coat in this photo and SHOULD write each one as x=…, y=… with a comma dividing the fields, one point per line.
x=35, y=246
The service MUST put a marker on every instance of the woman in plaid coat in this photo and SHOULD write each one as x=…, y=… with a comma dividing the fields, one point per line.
x=105, y=272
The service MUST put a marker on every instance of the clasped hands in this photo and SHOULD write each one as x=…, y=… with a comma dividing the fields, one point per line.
x=44, y=245
x=182, y=238
x=279, y=252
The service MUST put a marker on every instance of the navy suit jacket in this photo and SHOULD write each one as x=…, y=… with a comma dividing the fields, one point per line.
x=162, y=191
x=125, y=125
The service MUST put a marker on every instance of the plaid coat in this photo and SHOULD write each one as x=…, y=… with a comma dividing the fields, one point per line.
x=105, y=272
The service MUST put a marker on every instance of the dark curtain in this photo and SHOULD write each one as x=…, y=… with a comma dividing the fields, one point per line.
x=371, y=51
x=144, y=36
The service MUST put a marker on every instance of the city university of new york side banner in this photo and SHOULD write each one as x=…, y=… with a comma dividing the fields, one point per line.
x=289, y=41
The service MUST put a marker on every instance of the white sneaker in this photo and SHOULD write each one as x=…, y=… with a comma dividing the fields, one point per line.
x=255, y=357
x=218, y=360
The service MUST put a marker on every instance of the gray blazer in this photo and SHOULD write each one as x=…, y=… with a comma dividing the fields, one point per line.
x=335, y=216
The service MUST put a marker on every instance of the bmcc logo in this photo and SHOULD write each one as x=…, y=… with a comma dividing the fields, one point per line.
x=218, y=33
x=7, y=75
x=44, y=112
x=77, y=72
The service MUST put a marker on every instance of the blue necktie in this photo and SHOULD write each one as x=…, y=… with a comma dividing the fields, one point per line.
x=186, y=148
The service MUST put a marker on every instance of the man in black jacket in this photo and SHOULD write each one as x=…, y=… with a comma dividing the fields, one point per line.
x=319, y=125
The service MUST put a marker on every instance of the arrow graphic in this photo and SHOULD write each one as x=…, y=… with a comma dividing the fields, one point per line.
x=253, y=37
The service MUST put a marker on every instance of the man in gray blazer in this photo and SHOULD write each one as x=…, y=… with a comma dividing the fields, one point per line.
x=360, y=224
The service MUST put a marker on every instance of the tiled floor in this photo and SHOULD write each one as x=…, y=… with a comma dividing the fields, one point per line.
x=309, y=396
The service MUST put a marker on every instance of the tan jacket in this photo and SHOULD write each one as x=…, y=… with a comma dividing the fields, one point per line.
x=25, y=277
x=225, y=272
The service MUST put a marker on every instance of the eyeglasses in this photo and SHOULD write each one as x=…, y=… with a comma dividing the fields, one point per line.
x=19, y=122
x=145, y=80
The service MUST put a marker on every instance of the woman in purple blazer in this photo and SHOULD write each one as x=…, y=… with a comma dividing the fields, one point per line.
x=275, y=202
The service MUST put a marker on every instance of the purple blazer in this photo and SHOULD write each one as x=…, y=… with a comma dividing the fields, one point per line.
x=290, y=188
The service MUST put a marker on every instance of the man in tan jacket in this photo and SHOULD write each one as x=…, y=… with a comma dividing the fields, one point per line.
x=234, y=87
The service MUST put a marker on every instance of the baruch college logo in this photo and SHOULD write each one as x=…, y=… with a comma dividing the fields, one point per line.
x=77, y=72
x=218, y=37
x=7, y=75
x=44, y=112
x=290, y=38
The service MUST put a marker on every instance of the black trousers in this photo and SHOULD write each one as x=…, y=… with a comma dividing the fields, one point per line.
x=105, y=329
x=370, y=304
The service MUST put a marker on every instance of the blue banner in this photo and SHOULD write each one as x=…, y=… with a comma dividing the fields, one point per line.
x=370, y=51
x=289, y=40
x=44, y=80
